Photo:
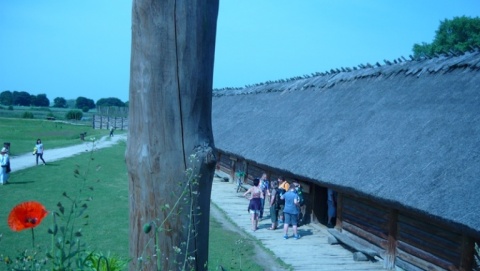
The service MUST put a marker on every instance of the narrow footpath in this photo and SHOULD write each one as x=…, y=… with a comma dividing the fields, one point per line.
x=26, y=160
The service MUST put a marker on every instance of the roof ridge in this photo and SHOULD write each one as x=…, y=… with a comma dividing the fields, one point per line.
x=414, y=66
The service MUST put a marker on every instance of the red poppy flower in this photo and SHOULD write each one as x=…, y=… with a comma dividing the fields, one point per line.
x=26, y=215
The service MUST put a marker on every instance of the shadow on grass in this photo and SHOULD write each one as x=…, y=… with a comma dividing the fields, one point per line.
x=19, y=183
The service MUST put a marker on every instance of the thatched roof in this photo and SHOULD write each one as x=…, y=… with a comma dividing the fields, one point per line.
x=405, y=134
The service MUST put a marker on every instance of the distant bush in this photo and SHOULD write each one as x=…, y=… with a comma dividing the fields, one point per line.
x=74, y=115
x=27, y=115
x=85, y=109
x=10, y=107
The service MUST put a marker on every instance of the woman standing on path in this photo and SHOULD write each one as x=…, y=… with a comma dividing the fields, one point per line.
x=256, y=195
x=39, y=151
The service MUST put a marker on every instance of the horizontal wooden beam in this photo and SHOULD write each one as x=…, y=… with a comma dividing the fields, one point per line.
x=344, y=239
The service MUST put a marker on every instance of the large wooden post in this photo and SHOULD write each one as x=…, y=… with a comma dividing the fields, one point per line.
x=171, y=74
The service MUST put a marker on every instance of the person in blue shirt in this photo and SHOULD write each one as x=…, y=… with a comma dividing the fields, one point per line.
x=290, y=212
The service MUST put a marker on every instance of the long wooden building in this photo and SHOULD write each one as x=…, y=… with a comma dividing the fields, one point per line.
x=398, y=142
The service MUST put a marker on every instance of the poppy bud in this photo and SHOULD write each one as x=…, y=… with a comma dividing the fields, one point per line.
x=147, y=228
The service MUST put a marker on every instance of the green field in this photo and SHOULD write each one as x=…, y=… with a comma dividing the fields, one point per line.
x=40, y=113
x=105, y=172
x=22, y=134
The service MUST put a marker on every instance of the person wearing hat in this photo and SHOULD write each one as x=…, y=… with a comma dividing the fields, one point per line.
x=5, y=169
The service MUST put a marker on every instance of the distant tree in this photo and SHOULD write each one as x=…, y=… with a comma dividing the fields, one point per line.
x=21, y=98
x=82, y=102
x=6, y=97
x=458, y=34
x=60, y=102
x=32, y=99
x=27, y=115
x=40, y=100
x=74, y=115
x=71, y=103
x=127, y=103
x=110, y=102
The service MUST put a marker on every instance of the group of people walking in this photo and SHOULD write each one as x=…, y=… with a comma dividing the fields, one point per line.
x=5, y=160
x=284, y=200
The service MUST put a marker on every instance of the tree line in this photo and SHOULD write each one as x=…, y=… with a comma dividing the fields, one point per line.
x=23, y=98
x=454, y=36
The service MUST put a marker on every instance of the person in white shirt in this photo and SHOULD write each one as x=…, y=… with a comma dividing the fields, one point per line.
x=5, y=169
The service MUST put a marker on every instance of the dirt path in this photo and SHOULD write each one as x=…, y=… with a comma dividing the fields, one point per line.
x=27, y=160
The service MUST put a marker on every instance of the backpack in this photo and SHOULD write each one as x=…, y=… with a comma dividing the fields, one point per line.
x=278, y=194
x=301, y=199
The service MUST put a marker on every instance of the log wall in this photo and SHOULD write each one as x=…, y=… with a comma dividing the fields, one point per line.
x=224, y=163
x=406, y=240
x=424, y=244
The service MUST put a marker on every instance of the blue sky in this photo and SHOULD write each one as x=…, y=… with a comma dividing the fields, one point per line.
x=82, y=48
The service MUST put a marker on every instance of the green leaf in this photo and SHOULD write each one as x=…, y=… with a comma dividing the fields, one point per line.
x=53, y=229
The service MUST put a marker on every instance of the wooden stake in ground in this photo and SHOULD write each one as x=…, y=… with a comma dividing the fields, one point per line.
x=170, y=132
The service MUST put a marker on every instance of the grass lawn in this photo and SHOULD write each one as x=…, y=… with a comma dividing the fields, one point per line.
x=23, y=133
x=107, y=231
x=40, y=112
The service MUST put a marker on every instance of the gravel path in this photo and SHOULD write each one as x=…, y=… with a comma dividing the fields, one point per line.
x=28, y=160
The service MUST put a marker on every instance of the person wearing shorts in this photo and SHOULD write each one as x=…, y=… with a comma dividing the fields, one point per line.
x=255, y=203
x=290, y=212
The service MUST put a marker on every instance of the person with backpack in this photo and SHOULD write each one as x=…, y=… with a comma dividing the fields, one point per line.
x=264, y=185
x=290, y=213
x=301, y=199
x=274, y=195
